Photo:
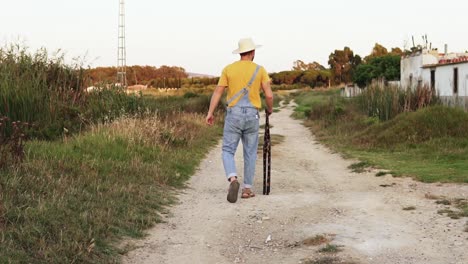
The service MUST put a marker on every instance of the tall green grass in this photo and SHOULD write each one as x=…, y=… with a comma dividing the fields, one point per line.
x=38, y=89
x=387, y=102
x=45, y=91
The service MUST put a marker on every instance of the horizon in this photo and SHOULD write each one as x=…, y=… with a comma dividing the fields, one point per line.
x=201, y=36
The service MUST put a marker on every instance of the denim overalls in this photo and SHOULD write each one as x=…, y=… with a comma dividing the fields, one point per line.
x=241, y=123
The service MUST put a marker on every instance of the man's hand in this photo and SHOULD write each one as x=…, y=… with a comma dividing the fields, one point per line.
x=210, y=119
x=215, y=98
x=268, y=97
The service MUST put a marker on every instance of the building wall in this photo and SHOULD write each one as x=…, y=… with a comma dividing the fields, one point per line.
x=444, y=82
x=412, y=66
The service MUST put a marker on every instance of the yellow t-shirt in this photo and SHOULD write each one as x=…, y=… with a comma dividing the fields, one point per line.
x=237, y=76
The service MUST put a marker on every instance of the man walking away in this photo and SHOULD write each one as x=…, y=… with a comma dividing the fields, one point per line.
x=244, y=80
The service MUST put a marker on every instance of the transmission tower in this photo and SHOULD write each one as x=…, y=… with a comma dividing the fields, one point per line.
x=122, y=52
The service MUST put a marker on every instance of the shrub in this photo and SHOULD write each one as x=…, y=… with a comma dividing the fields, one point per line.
x=12, y=145
x=426, y=124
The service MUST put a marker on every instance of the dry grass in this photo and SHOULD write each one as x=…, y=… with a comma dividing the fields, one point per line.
x=316, y=240
x=176, y=130
x=275, y=140
x=431, y=196
x=458, y=210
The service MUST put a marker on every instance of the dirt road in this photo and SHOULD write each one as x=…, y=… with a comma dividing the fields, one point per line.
x=313, y=193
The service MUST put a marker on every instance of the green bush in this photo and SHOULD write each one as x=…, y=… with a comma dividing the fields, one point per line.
x=424, y=125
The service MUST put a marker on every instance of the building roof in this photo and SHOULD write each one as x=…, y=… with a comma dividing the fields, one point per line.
x=444, y=61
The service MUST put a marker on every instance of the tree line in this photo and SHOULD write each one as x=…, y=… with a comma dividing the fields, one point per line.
x=164, y=76
x=344, y=67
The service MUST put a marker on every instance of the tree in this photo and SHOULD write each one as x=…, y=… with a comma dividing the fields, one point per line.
x=299, y=66
x=377, y=51
x=342, y=64
x=396, y=51
x=310, y=78
x=311, y=74
x=364, y=75
x=387, y=67
x=302, y=66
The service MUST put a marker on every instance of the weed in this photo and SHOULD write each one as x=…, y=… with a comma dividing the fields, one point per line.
x=460, y=210
x=11, y=145
x=445, y=211
x=359, y=167
x=444, y=202
x=316, y=240
x=330, y=248
x=381, y=173
x=324, y=260
x=450, y=213
x=328, y=260
x=462, y=205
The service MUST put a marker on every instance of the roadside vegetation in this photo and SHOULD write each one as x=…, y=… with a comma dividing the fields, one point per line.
x=405, y=132
x=80, y=171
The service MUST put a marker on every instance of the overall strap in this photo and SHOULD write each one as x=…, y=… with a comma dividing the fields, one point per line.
x=244, y=90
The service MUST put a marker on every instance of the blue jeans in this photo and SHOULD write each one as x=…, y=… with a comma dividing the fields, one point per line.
x=241, y=123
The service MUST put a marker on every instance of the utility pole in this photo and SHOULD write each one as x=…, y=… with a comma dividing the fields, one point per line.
x=121, y=50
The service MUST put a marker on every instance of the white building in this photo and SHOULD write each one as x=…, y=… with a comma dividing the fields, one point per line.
x=447, y=74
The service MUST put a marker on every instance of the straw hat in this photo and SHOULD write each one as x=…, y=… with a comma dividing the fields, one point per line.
x=246, y=45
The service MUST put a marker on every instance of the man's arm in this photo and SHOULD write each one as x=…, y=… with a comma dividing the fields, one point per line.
x=215, y=98
x=266, y=87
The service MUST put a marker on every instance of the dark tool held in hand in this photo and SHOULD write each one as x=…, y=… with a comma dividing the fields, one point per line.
x=266, y=157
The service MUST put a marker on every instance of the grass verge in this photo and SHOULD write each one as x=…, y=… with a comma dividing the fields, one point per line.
x=430, y=144
x=71, y=200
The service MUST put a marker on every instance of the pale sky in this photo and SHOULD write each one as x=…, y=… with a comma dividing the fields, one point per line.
x=201, y=35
